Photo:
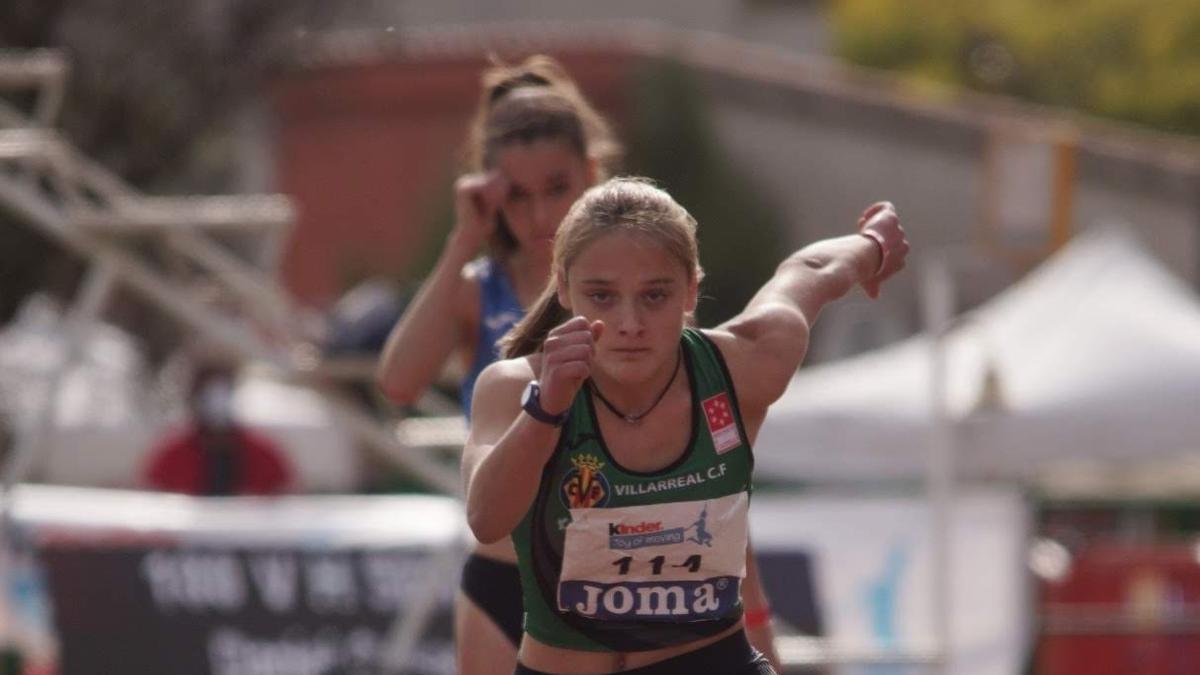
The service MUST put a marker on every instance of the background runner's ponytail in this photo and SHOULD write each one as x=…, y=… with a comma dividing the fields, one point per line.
x=527, y=336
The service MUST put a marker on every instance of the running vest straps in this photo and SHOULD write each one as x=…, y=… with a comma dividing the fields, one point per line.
x=618, y=560
x=499, y=310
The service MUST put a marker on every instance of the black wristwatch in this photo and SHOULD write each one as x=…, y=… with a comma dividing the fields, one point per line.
x=531, y=403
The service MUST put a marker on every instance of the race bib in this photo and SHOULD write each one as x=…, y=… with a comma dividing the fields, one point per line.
x=682, y=561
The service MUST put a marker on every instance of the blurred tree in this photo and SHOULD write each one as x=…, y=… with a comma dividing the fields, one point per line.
x=154, y=84
x=154, y=90
x=1129, y=60
x=671, y=140
x=23, y=256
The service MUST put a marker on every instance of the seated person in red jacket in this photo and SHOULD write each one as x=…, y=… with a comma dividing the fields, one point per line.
x=215, y=455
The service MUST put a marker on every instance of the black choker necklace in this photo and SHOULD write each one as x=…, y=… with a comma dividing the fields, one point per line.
x=633, y=419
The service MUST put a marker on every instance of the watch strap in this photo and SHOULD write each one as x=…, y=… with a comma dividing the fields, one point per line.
x=532, y=405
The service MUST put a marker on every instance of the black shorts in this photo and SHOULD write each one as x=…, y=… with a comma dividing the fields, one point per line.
x=732, y=655
x=495, y=587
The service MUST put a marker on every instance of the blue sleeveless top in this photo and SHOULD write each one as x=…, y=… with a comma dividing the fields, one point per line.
x=499, y=310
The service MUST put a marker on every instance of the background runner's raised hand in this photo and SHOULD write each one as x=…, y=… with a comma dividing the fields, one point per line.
x=477, y=200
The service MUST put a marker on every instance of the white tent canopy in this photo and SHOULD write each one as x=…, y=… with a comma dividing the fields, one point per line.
x=1095, y=362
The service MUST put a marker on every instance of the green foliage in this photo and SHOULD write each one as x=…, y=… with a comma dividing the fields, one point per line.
x=671, y=140
x=1130, y=60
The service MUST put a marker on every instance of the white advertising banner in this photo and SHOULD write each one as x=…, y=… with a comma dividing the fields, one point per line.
x=305, y=585
x=871, y=565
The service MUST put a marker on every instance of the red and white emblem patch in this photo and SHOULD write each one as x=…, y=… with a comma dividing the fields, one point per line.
x=721, y=425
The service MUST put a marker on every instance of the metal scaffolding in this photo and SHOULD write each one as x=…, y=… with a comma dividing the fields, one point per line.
x=51, y=186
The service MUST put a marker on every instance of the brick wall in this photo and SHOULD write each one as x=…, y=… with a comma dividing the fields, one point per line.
x=369, y=152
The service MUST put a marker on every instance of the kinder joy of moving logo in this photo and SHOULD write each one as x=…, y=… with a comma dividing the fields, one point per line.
x=624, y=537
x=584, y=487
x=640, y=528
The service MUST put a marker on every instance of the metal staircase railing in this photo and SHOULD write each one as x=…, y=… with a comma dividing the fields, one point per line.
x=54, y=188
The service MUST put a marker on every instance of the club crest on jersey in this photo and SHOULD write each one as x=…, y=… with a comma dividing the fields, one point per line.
x=584, y=486
x=721, y=425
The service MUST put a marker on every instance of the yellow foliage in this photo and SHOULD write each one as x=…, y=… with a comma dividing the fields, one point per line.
x=1134, y=60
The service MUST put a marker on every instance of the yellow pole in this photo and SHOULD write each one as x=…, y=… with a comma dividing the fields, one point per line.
x=1062, y=209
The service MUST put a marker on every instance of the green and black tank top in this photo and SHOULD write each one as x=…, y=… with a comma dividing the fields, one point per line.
x=619, y=560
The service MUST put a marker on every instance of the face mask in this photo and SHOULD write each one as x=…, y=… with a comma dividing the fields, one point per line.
x=215, y=404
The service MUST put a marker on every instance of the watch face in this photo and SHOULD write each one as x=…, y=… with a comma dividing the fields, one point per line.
x=529, y=394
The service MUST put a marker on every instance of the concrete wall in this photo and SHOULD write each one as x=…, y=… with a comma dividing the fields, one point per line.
x=822, y=165
x=822, y=153
x=796, y=25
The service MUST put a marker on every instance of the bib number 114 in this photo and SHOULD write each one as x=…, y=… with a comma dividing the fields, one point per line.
x=692, y=564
